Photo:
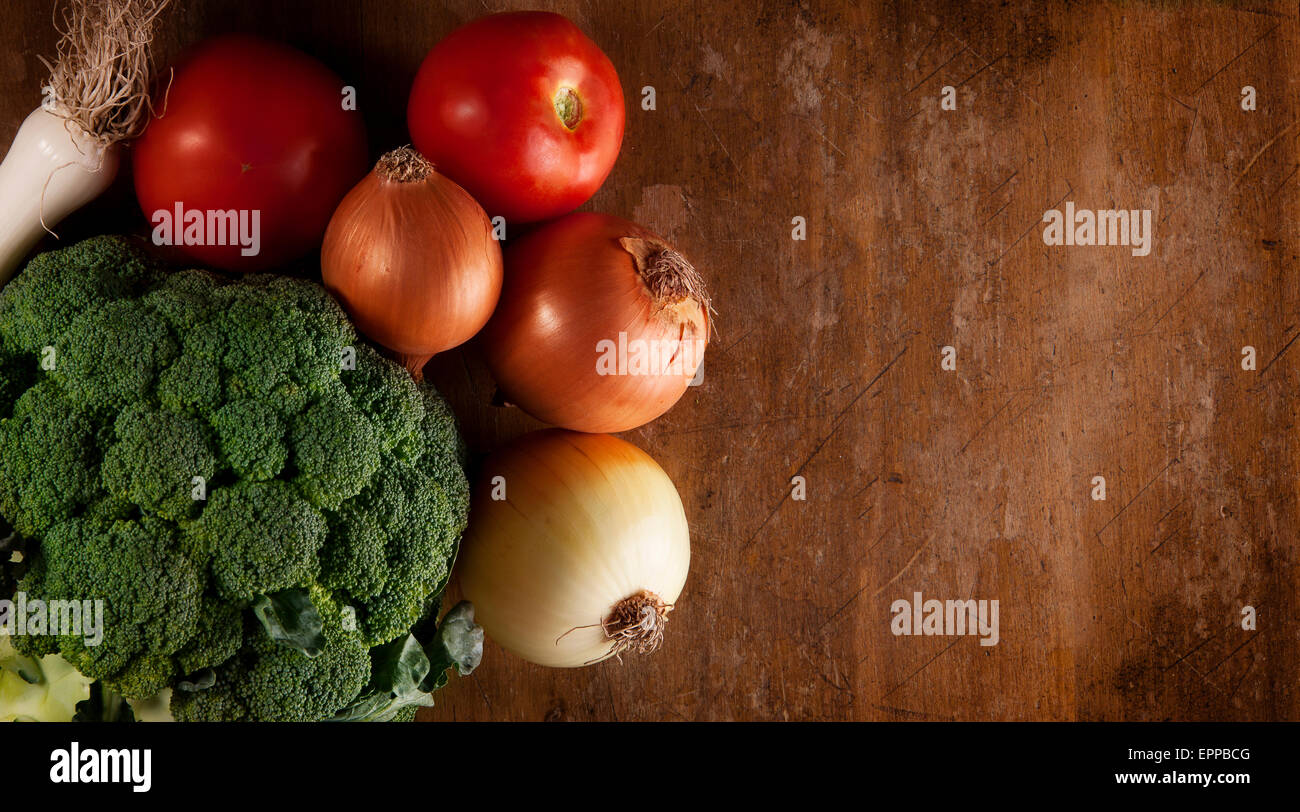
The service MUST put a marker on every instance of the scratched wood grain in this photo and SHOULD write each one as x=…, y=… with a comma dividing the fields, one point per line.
x=923, y=231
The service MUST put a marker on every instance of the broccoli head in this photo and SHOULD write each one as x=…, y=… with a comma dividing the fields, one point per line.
x=182, y=446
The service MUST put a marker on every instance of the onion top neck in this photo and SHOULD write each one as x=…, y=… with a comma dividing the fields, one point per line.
x=403, y=165
x=676, y=288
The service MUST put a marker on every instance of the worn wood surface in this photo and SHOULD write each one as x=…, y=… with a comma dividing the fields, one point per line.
x=923, y=231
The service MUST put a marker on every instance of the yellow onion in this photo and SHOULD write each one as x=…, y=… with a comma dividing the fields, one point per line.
x=412, y=258
x=601, y=327
x=577, y=548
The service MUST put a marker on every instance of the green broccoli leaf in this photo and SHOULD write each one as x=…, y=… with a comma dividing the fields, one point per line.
x=198, y=681
x=397, y=670
x=290, y=617
x=404, y=674
x=458, y=644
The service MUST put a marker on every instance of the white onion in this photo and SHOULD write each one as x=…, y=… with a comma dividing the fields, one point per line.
x=584, y=557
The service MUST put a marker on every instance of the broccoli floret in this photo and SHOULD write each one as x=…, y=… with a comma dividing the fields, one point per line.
x=218, y=637
x=335, y=449
x=416, y=511
x=110, y=357
x=49, y=460
x=184, y=299
x=17, y=374
x=251, y=438
x=191, y=384
x=263, y=537
x=271, y=682
x=154, y=461
x=385, y=393
x=195, y=449
x=259, y=348
x=149, y=591
x=327, y=330
x=55, y=288
x=441, y=452
x=109, y=509
x=356, y=561
x=395, y=539
x=422, y=527
x=193, y=381
x=283, y=344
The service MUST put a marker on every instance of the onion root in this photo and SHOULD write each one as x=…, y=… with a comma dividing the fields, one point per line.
x=403, y=165
x=99, y=80
x=636, y=624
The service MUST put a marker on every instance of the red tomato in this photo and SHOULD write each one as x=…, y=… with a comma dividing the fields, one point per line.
x=522, y=110
x=250, y=124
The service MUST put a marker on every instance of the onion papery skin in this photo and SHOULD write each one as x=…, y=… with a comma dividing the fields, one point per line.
x=571, y=285
x=414, y=263
x=588, y=521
